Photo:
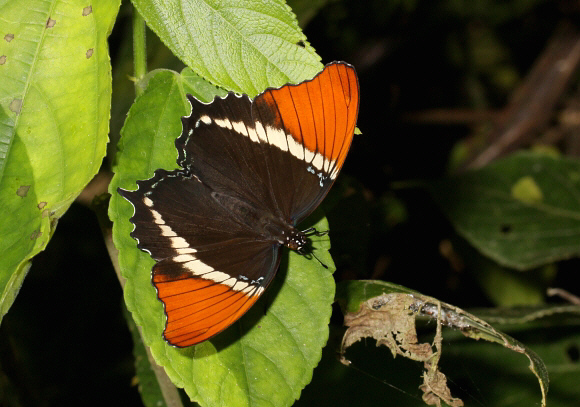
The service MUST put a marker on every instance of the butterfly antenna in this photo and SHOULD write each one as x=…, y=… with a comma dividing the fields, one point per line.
x=311, y=253
x=321, y=263
x=313, y=232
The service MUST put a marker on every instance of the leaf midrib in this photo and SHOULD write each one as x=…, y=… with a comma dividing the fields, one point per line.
x=27, y=83
x=549, y=209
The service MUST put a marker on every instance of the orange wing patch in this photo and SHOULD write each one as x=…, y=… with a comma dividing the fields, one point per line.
x=320, y=113
x=198, y=309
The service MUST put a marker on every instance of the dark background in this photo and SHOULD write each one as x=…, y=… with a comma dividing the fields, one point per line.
x=65, y=340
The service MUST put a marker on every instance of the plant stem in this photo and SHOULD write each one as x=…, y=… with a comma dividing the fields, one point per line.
x=139, y=51
x=169, y=391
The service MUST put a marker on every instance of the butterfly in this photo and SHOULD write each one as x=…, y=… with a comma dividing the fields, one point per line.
x=251, y=170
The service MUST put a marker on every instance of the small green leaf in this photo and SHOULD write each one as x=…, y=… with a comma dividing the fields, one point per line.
x=505, y=286
x=249, y=363
x=55, y=101
x=244, y=46
x=522, y=211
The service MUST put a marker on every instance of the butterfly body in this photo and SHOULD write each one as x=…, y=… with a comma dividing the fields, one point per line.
x=267, y=226
x=251, y=171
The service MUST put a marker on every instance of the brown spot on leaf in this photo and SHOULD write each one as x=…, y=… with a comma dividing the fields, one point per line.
x=89, y=53
x=573, y=353
x=50, y=23
x=9, y=37
x=36, y=234
x=23, y=190
x=41, y=205
x=45, y=213
x=2, y=59
x=505, y=228
x=15, y=105
x=87, y=10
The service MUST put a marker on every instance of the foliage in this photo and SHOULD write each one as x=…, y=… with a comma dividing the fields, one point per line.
x=490, y=237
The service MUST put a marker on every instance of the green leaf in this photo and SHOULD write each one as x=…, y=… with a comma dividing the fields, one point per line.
x=249, y=363
x=522, y=211
x=504, y=286
x=240, y=45
x=55, y=98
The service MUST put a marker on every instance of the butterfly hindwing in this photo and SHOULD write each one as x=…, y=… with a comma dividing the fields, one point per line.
x=210, y=268
x=200, y=306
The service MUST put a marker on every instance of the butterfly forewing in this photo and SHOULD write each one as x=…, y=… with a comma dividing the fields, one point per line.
x=318, y=118
x=251, y=171
x=222, y=147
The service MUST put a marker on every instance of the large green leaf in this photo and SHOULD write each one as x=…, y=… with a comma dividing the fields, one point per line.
x=55, y=98
x=523, y=211
x=241, y=45
x=267, y=357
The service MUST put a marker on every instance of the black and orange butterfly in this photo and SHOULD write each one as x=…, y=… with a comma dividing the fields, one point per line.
x=252, y=171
